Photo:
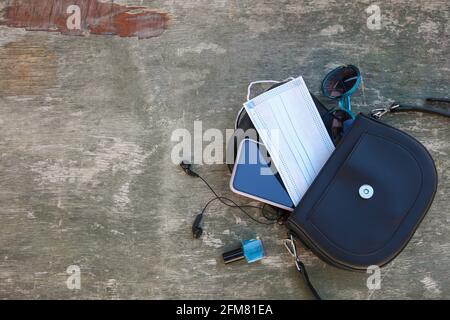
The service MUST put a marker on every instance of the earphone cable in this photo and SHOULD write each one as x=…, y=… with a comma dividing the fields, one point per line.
x=233, y=204
x=241, y=208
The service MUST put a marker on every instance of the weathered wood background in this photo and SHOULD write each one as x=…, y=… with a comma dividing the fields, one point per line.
x=86, y=176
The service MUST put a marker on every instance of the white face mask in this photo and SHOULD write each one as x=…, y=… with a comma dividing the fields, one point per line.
x=293, y=132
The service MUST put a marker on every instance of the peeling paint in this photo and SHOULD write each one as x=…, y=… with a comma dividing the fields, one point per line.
x=429, y=30
x=209, y=240
x=332, y=30
x=121, y=199
x=111, y=288
x=431, y=286
x=211, y=262
x=202, y=47
x=273, y=261
x=257, y=27
x=112, y=155
x=96, y=17
x=117, y=233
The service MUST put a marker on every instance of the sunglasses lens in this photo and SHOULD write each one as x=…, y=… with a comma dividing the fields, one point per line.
x=340, y=81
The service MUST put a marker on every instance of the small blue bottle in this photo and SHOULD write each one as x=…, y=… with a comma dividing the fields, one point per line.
x=251, y=250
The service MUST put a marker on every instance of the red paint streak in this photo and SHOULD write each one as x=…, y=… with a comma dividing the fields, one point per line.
x=100, y=18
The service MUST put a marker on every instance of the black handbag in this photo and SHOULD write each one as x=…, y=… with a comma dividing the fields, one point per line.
x=369, y=198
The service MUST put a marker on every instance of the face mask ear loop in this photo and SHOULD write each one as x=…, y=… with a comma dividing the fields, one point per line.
x=249, y=89
x=249, y=92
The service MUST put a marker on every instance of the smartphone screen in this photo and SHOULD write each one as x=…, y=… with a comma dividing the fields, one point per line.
x=255, y=176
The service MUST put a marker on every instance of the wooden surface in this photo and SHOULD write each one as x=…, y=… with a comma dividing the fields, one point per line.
x=86, y=176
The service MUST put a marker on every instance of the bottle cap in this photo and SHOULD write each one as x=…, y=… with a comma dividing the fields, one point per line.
x=233, y=255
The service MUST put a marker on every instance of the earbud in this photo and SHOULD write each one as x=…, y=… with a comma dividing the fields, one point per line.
x=196, y=229
x=187, y=169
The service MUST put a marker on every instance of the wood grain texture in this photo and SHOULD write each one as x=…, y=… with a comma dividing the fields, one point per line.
x=32, y=63
x=85, y=124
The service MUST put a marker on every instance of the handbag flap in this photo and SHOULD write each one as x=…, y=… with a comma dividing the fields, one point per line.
x=369, y=198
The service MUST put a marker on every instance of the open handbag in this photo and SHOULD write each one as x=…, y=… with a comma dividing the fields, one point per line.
x=369, y=198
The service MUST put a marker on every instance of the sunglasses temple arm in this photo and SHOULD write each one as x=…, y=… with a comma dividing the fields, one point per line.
x=344, y=104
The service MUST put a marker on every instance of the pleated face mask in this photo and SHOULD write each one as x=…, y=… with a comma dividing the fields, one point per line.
x=293, y=132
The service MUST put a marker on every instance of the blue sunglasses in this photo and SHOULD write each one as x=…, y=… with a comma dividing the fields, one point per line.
x=340, y=84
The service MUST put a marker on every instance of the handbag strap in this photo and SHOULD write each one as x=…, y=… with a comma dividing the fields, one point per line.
x=301, y=268
x=290, y=245
x=394, y=108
